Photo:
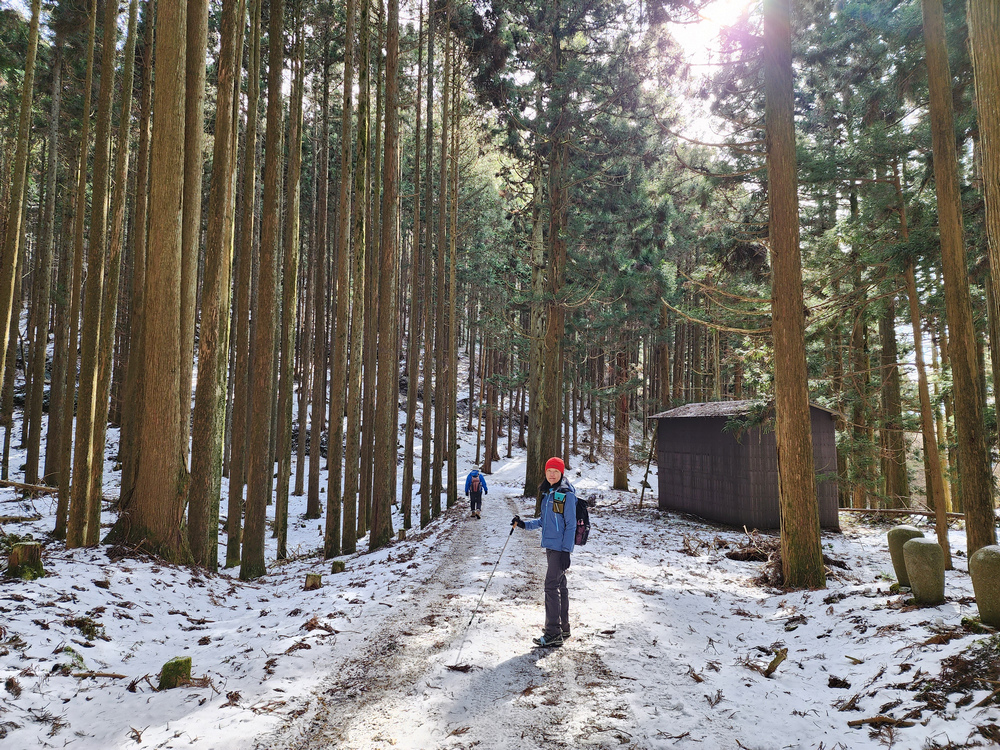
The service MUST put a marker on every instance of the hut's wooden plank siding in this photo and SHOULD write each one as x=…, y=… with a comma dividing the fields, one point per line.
x=708, y=472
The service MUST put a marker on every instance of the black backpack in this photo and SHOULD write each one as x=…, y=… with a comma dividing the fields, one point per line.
x=582, y=522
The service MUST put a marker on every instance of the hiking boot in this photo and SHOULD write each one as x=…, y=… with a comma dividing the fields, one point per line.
x=549, y=641
x=565, y=635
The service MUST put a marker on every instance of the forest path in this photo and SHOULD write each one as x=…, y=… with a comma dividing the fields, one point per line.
x=397, y=691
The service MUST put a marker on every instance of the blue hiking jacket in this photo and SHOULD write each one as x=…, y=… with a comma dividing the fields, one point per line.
x=558, y=529
x=482, y=482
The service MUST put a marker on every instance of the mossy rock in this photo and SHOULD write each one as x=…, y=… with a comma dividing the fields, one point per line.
x=984, y=567
x=898, y=536
x=175, y=672
x=925, y=567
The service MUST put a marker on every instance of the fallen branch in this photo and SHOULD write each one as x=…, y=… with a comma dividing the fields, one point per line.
x=110, y=675
x=779, y=656
x=880, y=721
x=39, y=489
x=897, y=512
x=20, y=519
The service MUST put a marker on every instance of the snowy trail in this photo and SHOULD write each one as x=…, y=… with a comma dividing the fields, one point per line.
x=397, y=690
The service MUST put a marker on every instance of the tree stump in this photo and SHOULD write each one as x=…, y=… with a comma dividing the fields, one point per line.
x=924, y=560
x=337, y=566
x=25, y=561
x=175, y=672
x=984, y=567
x=401, y=535
x=313, y=581
x=898, y=536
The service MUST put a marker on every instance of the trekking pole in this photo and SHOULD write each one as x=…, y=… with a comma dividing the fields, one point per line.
x=455, y=665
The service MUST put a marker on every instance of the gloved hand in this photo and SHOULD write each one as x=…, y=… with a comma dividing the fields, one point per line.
x=516, y=521
x=564, y=559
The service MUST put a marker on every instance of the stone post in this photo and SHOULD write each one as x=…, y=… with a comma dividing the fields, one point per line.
x=924, y=561
x=984, y=567
x=898, y=536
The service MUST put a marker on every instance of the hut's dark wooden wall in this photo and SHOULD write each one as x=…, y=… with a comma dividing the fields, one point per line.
x=706, y=471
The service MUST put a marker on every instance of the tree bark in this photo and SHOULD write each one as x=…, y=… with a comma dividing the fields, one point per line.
x=132, y=387
x=621, y=419
x=39, y=323
x=68, y=406
x=359, y=294
x=384, y=488
x=984, y=35
x=109, y=306
x=289, y=287
x=313, y=505
x=261, y=460
x=208, y=426
x=897, y=487
x=151, y=518
x=241, y=317
x=194, y=136
x=973, y=455
x=12, y=236
x=416, y=302
x=801, y=554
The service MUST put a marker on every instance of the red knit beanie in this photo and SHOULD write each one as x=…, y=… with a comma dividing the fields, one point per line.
x=555, y=463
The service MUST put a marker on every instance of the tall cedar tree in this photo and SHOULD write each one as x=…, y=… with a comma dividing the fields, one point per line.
x=801, y=553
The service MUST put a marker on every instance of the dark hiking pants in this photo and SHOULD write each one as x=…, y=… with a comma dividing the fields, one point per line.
x=556, y=593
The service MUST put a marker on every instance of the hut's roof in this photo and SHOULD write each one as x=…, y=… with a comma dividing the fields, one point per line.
x=719, y=409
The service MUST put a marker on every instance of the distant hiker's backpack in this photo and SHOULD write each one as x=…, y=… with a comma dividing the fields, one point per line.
x=475, y=484
x=582, y=522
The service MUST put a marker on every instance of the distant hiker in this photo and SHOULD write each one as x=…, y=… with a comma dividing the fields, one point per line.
x=558, y=525
x=475, y=488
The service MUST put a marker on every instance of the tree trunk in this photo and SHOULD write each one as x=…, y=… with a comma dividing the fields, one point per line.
x=429, y=508
x=289, y=287
x=69, y=393
x=194, y=137
x=151, y=518
x=12, y=236
x=801, y=554
x=984, y=35
x=241, y=317
x=535, y=460
x=441, y=384
x=416, y=302
x=453, y=307
x=359, y=296
x=109, y=306
x=897, y=488
x=39, y=324
x=621, y=419
x=313, y=505
x=261, y=460
x=86, y=401
x=132, y=389
x=973, y=456
x=384, y=488
x=208, y=428
x=932, y=462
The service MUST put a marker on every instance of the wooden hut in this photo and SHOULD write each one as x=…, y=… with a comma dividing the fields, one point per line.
x=718, y=461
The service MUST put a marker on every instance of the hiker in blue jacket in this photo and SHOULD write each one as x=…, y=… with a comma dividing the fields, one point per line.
x=558, y=525
x=475, y=488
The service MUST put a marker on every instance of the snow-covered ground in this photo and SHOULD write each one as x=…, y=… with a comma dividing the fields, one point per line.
x=670, y=641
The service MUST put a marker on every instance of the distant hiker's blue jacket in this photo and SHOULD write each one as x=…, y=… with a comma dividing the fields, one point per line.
x=558, y=529
x=482, y=482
